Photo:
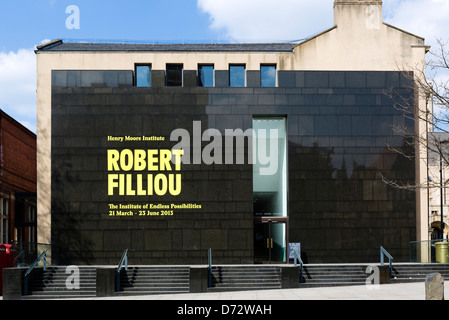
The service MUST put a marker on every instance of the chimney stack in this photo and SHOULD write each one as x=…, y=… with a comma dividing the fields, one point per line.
x=358, y=13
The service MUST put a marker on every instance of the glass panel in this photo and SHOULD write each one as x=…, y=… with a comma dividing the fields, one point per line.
x=269, y=242
x=206, y=76
x=31, y=213
x=278, y=251
x=5, y=207
x=267, y=76
x=174, y=75
x=237, y=75
x=143, y=76
x=270, y=167
x=261, y=253
x=4, y=230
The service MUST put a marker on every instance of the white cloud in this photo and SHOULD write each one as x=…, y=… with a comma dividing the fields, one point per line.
x=268, y=20
x=284, y=20
x=18, y=86
x=425, y=18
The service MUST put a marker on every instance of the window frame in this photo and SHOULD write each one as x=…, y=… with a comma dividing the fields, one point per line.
x=136, y=66
x=31, y=221
x=231, y=66
x=275, y=75
x=4, y=220
x=167, y=65
x=200, y=66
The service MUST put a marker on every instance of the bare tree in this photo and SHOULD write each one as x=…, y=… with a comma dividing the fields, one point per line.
x=430, y=84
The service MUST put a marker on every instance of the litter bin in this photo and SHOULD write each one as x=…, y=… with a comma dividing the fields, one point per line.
x=442, y=252
x=6, y=261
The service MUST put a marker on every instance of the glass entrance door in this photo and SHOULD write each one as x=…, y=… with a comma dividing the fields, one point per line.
x=270, y=240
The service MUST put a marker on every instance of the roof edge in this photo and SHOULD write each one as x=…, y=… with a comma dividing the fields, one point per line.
x=60, y=46
x=406, y=32
x=49, y=45
x=5, y=115
x=315, y=36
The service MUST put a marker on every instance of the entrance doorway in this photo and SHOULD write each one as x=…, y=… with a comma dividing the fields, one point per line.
x=270, y=189
x=270, y=240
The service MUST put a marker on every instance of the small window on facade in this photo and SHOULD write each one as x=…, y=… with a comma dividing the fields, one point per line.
x=31, y=223
x=173, y=75
x=4, y=220
x=205, y=76
x=143, y=76
x=236, y=75
x=268, y=76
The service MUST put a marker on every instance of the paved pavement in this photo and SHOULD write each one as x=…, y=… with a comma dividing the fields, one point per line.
x=399, y=291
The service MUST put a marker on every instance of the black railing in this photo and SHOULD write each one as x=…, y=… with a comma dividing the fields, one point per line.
x=43, y=255
x=123, y=260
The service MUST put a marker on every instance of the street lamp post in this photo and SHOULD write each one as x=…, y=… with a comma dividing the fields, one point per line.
x=441, y=187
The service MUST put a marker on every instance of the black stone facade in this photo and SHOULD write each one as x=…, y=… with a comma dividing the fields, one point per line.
x=340, y=127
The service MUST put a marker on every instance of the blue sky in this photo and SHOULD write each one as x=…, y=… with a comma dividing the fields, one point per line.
x=27, y=23
x=24, y=23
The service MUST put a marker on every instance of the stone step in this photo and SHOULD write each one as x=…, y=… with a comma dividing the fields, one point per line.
x=244, y=284
x=57, y=296
x=154, y=280
x=241, y=288
x=243, y=279
x=336, y=275
x=51, y=283
x=152, y=292
x=33, y=288
x=337, y=278
x=54, y=291
x=238, y=278
x=154, y=284
x=156, y=289
x=330, y=284
x=333, y=275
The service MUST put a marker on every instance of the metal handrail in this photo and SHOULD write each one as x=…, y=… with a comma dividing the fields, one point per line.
x=297, y=257
x=124, y=259
x=33, y=265
x=209, y=258
x=390, y=258
x=21, y=255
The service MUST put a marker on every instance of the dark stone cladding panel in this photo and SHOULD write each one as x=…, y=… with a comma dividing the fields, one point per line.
x=221, y=78
x=190, y=78
x=340, y=127
x=252, y=78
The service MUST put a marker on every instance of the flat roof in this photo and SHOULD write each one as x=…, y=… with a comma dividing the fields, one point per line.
x=60, y=46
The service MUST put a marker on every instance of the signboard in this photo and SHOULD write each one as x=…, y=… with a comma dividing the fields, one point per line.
x=294, y=246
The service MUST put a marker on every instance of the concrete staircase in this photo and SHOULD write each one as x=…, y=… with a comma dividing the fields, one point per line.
x=239, y=278
x=144, y=280
x=333, y=275
x=148, y=280
x=51, y=283
x=417, y=272
x=326, y=275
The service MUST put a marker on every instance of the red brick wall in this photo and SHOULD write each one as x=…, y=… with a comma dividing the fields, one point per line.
x=18, y=171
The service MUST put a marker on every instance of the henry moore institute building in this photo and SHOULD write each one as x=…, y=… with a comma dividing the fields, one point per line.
x=169, y=150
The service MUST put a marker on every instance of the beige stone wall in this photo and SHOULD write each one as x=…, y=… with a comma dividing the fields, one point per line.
x=358, y=41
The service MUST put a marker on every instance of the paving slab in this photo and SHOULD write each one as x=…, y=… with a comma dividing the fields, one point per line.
x=397, y=291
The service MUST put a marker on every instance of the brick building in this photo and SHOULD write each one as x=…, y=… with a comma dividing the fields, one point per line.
x=17, y=181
